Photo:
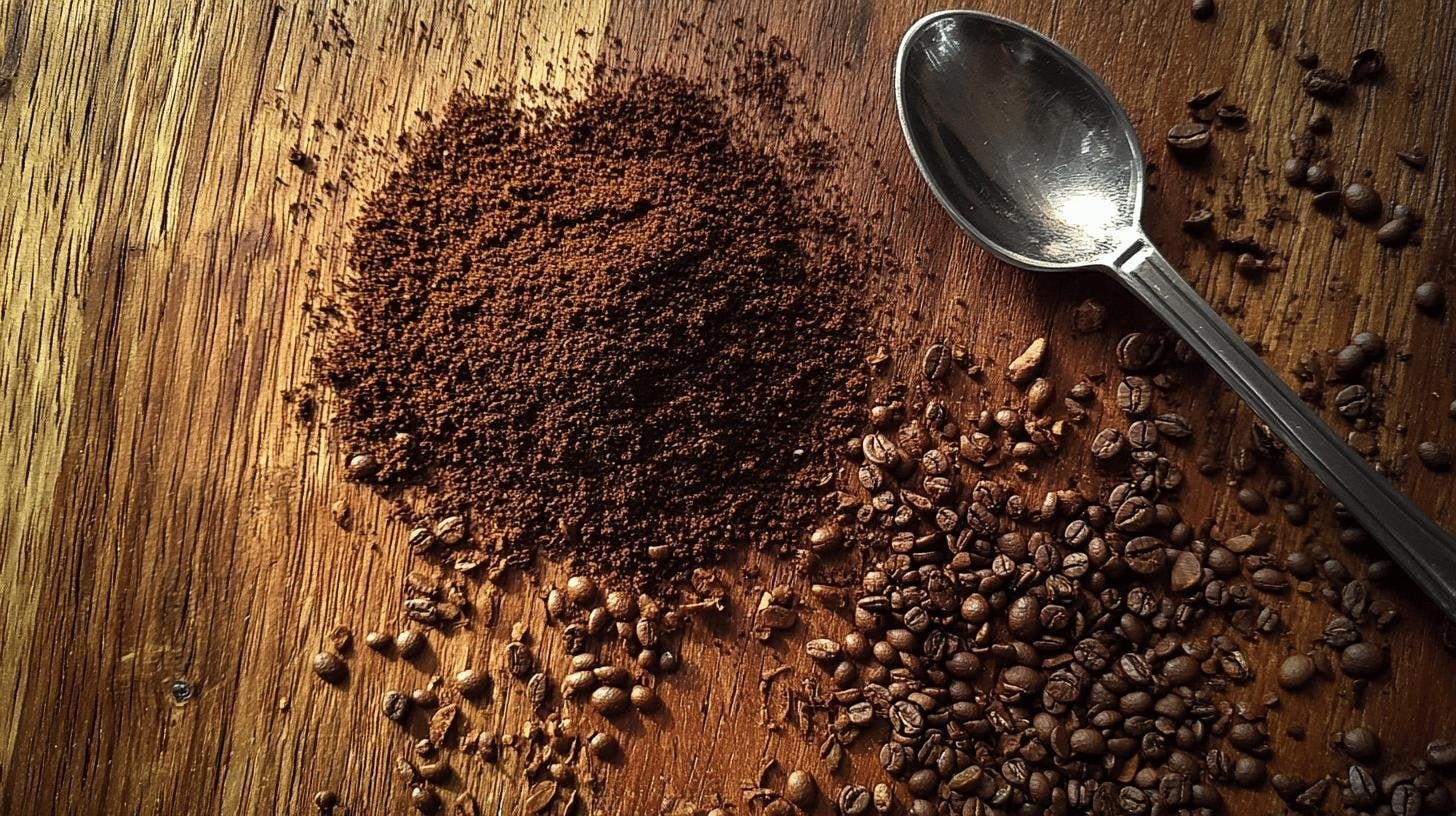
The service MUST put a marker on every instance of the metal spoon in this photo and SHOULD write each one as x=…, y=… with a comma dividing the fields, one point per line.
x=1031, y=154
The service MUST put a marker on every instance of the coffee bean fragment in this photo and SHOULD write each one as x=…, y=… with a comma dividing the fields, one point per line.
x=1325, y=85
x=1088, y=316
x=1189, y=140
x=330, y=667
x=1368, y=65
x=1198, y=222
x=1028, y=363
x=395, y=705
x=1415, y=158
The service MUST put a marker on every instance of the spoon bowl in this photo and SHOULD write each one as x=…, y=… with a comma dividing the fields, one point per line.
x=1031, y=154
x=1020, y=141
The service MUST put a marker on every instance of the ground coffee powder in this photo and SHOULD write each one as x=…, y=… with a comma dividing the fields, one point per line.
x=618, y=332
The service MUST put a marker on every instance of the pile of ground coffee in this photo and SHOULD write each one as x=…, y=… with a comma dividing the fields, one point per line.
x=617, y=332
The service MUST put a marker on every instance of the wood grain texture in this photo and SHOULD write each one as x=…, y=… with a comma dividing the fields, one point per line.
x=167, y=558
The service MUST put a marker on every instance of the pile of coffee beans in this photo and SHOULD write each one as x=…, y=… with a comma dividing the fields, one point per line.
x=1065, y=652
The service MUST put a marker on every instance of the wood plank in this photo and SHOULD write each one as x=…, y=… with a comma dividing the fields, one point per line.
x=167, y=560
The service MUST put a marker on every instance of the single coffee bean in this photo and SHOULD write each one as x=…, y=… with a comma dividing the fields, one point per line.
x=326, y=800
x=1362, y=202
x=1318, y=177
x=378, y=641
x=1396, y=232
x=1370, y=343
x=1250, y=772
x=1434, y=455
x=1363, y=659
x=409, y=643
x=800, y=790
x=425, y=799
x=1296, y=671
x=581, y=590
x=472, y=682
x=936, y=363
x=1441, y=754
x=1350, y=361
x=1203, y=10
x=1360, y=743
x=1189, y=140
x=1295, y=171
x=603, y=746
x=1430, y=297
x=644, y=698
x=361, y=466
x=1252, y=501
x=853, y=800
x=330, y=667
x=610, y=700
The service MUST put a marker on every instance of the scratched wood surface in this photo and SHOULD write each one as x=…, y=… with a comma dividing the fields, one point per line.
x=167, y=557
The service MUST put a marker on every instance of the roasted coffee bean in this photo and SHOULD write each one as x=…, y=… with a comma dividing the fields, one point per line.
x=326, y=800
x=425, y=799
x=800, y=790
x=1296, y=671
x=1295, y=170
x=610, y=700
x=1441, y=754
x=1189, y=140
x=1319, y=178
x=644, y=698
x=330, y=667
x=853, y=800
x=1203, y=10
x=1396, y=232
x=603, y=746
x=936, y=363
x=1362, y=659
x=1362, y=202
x=409, y=643
x=1360, y=743
x=1252, y=501
x=1250, y=772
x=1430, y=297
x=1434, y=455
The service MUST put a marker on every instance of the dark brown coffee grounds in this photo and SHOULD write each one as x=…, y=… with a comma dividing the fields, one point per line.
x=617, y=332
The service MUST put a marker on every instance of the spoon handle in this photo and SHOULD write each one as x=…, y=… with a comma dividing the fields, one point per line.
x=1425, y=551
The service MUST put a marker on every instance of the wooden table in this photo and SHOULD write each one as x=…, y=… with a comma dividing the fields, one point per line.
x=167, y=558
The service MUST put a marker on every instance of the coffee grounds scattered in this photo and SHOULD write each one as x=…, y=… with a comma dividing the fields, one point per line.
x=617, y=332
